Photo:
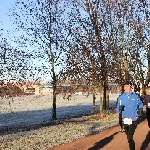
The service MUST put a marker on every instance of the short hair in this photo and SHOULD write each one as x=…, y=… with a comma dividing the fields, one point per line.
x=148, y=87
x=128, y=83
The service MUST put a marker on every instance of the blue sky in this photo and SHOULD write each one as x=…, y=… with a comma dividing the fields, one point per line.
x=5, y=22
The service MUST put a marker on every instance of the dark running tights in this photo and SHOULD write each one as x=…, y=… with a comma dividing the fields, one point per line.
x=148, y=118
x=120, y=120
x=129, y=131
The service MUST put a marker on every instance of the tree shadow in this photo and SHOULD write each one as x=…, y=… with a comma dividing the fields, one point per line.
x=103, y=142
x=14, y=122
x=20, y=121
x=145, y=143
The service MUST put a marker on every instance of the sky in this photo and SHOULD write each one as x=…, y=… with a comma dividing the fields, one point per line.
x=5, y=22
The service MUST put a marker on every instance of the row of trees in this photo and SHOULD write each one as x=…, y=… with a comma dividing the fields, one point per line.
x=100, y=41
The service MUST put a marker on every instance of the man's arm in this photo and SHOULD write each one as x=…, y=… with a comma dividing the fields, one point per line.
x=140, y=103
x=140, y=106
x=118, y=108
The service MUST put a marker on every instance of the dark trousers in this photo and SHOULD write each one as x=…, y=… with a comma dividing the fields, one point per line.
x=129, y=131
x=120, y=120
x=148, y=117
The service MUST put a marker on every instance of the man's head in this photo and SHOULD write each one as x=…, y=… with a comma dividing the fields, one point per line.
x=127, y=86
x=147, y=90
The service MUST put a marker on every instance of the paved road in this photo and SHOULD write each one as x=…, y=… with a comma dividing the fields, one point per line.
x=110, y=139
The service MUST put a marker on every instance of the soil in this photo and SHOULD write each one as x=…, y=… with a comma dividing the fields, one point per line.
x=110, y=139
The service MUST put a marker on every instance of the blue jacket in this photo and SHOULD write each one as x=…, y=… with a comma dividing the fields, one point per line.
x=131, y=104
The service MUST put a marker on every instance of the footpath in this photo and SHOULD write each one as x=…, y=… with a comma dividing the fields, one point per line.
x=110, y=139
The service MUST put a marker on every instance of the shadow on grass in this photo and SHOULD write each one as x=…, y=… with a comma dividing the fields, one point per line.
x=14, y=122
x=21, y=121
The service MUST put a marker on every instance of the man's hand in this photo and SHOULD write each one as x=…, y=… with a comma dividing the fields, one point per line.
x=121, y=107
x=144, y=108
x=140, y=112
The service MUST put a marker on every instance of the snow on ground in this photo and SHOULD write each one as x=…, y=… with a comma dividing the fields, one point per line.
x=33, y=109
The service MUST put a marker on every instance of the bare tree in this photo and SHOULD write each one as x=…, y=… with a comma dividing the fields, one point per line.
x=108, y=37
x=96, y=40
x=125, y=40
x=42, y=22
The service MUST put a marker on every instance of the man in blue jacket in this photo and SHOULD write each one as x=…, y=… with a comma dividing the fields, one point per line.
x=131, y=106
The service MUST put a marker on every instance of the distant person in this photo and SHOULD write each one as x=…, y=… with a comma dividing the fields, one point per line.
x=131, y=107
x=147, y=105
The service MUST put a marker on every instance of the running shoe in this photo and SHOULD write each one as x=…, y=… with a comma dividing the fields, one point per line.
x=122, y=130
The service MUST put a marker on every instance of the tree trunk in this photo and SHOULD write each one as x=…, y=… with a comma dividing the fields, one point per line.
x=126, y=67
x=106, y=94
x=54, y=105
x=101, y=103
x=94, y=110
x=54, y=90
x=54, y=100
x=142, y=90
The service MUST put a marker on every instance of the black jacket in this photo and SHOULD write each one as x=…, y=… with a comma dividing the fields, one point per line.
x=146, y=101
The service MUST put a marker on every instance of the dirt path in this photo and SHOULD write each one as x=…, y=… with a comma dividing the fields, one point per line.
x=110, y=139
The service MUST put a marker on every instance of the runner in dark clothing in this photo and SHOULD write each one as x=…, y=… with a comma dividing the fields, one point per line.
x=147, y=105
